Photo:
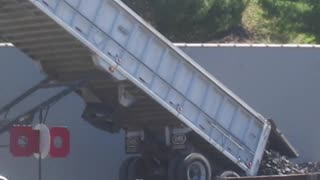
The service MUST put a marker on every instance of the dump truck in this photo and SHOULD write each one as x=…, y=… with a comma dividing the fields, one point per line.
x=179, y=121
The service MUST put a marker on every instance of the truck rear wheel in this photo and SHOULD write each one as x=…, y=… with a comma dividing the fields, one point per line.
x=131, y=169
x=173, y=167
x=123, y=171
x=229, y=174
x=195, y=167
x=136, y=169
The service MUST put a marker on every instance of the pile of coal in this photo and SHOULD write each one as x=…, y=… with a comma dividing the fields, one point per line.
x=310, y=167
x=275, y=164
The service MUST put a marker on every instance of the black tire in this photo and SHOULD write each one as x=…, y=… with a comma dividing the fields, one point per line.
x=123, y=171
x=173, y=166
x=229, y=174
x=136, y=169
x=194, y=165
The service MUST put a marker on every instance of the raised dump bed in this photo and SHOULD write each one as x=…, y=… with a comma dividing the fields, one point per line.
x=163, y=92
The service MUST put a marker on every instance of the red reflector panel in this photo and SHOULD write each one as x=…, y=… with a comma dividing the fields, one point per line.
x=60, y=142
x=24, y=141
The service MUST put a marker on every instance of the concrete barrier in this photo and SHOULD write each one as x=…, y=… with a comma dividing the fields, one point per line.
x=284, y=177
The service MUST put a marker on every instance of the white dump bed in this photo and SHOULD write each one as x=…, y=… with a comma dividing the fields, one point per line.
x=125, y=46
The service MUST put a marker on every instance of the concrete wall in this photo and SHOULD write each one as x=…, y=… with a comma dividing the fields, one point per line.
x=278, y=82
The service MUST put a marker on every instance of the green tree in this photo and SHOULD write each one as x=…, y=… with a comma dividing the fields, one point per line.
x=295, y=17
x=193, y=20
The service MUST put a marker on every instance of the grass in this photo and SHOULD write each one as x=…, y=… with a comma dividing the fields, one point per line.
x=262, y=29
x=253, y=21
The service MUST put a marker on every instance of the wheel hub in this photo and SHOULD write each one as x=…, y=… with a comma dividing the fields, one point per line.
x=196, y=171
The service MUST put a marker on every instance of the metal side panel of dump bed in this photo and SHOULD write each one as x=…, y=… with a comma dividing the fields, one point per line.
x=125, y=46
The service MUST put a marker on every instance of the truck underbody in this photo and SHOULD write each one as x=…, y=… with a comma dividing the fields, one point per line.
x=158, y=151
